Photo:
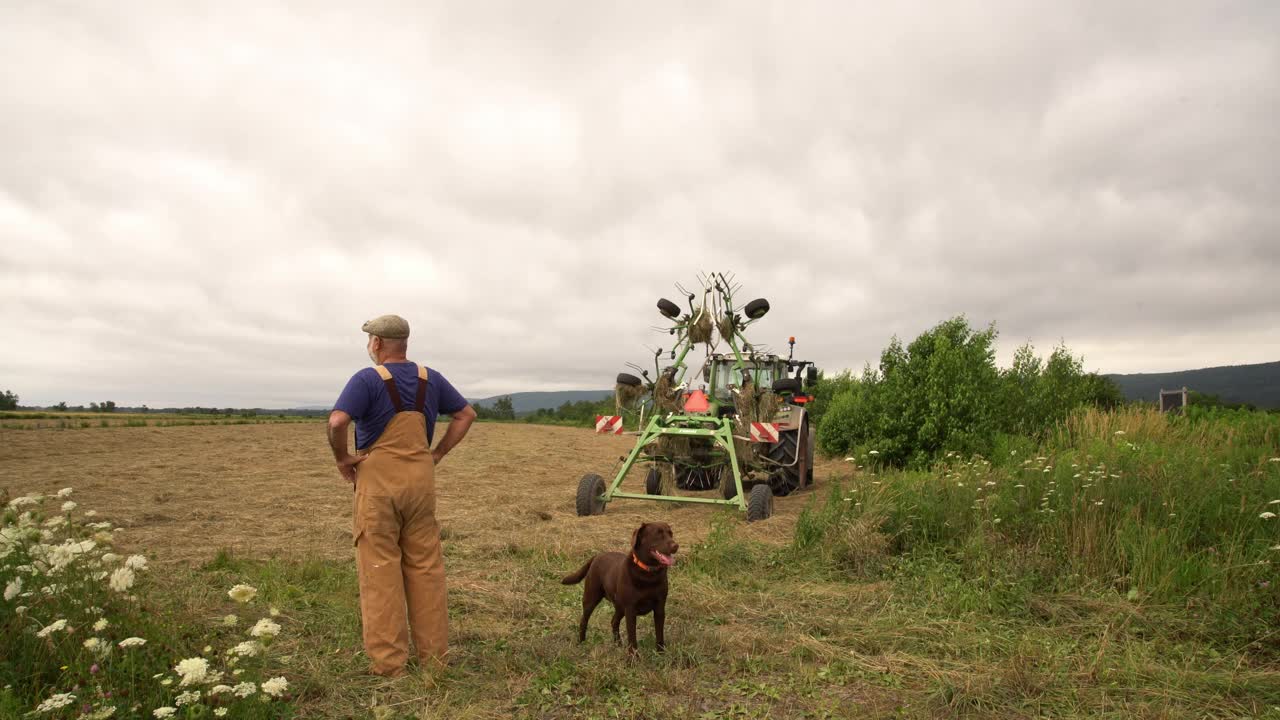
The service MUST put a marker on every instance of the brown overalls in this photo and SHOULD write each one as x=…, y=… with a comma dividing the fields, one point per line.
x=397, y=541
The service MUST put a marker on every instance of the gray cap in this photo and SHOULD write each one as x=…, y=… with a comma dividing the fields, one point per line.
x=387, y=326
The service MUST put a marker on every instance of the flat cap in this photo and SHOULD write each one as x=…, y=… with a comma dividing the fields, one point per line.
x=387, y=326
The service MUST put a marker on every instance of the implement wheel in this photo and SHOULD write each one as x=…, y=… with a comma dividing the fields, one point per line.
x=728, y=488
x=590, y=488
x=653, y=482
x=759, y=503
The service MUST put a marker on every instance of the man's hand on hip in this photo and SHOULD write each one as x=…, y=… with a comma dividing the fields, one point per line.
x=347, y=466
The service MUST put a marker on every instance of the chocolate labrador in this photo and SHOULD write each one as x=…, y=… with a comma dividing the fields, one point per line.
x=635, y=582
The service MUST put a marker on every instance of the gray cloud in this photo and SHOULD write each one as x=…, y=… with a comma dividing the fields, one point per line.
x=202, y=206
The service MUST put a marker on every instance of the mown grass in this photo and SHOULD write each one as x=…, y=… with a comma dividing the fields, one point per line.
x=984, y=588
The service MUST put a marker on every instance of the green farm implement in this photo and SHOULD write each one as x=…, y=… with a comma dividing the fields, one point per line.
x=742, y=431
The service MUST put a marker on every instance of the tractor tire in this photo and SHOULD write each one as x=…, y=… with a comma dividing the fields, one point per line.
x=792, y=444
x=628, y=379
x=813, y=443
x=756, y=309
x=695, y=478
x=668, y=308
x=759, y=503
x=590, y=488
x=653, y=482
x=787, y=385
x=728, y=488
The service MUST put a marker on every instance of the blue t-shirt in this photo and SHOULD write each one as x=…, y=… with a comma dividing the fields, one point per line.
x=366, y=400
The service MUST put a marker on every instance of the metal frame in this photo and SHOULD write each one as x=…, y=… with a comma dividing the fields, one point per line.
x=721, y=435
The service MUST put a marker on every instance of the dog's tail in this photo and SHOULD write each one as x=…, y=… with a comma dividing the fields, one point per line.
x=575, y=578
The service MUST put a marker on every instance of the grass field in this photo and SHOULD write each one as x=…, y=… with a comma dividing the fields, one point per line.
x=763, y=621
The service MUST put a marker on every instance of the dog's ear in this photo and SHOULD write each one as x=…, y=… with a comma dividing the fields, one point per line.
x=635, y=536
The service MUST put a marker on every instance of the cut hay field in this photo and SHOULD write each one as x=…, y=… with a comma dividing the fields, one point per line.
x=754, y=631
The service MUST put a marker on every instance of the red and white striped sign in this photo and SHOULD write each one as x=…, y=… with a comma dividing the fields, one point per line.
x=764, y=432
x=611, y=424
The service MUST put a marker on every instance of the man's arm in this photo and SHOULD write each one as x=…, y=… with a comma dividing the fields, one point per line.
x=459, y=424
x=339, y=421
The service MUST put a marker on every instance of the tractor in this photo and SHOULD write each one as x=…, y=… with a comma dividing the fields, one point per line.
x=742, y=430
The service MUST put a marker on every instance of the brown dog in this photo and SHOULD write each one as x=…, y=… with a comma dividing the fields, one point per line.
x=635, y=582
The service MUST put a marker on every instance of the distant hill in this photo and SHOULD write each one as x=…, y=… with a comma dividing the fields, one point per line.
x=527, y=402
x=1255, y=384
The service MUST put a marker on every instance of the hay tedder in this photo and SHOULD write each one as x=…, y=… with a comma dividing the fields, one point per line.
x=743, y=430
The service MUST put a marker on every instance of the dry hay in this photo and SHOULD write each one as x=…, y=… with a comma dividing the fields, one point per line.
x=753, y=405
x=701, y=325
x=666, y=397
x=726, y=327
x=625, y=396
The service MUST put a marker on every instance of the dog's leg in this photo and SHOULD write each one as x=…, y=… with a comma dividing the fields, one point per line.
x=591, y=597
x=631, y=630
x=659, y=616
x=617, y=620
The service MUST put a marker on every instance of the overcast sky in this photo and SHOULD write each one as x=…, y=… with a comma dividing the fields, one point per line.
x=200, y=204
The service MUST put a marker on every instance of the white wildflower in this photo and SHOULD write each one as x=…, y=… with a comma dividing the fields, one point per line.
x=164, y=712
x=56, y=521
x=245, y=689
x=65, y=492
x=101, y=713
x=187, y=697
x=248, y=648
x=68, y=506
x=193, y=670
x=1274, y=502
x=25, y=500
x=849, y=459
x=1267, y=515
x=94, y=513
x=220, y=712
x=110, y=558
x=219, y=689
x=136, y=562
x=60, y=700
x=92, y=643
x=1275, y=459
x=242, y=593
x=873, y=452
x=265, y=628
x=1118, y=432
x=132, y=642
x=12, y=589
x=230, y=620
x=101, y=625
x=20, y=610
x=122, y=579
x=167, y=682
x=275, y=612
x=51, y=628
x=275, y=687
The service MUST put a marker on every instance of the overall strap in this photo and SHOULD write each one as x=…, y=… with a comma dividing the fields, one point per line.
x=420, y=403
x=390, y=382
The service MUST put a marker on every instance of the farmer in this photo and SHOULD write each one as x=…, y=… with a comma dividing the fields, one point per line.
x=397, y=538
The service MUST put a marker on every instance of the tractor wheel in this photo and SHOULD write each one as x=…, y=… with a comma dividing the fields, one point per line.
x=787, y=385
x=728, y=488
x=628, y=379
x=813, y=442
x=590, y=488
x=792, y=444
x=653, y=482
x=759, y=503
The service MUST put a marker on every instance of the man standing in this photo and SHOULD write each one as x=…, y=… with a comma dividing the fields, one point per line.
x=398, y=555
